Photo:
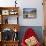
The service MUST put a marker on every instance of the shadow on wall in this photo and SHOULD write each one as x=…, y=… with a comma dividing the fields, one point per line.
x=37, y=29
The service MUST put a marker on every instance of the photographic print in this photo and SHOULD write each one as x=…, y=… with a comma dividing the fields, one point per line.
x=29, y=12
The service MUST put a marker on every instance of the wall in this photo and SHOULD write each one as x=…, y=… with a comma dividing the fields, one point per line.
x=32, y=4
x=27, y=4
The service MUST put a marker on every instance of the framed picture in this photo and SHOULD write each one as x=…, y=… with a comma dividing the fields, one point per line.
x=29, y=13
x=13, y=12
x=5, y=12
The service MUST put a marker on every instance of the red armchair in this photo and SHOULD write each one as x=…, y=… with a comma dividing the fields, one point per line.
x=30, y=34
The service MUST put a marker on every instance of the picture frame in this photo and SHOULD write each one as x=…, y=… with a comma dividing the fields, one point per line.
x=5, y=12
x=13, y=12
x=29, y=13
